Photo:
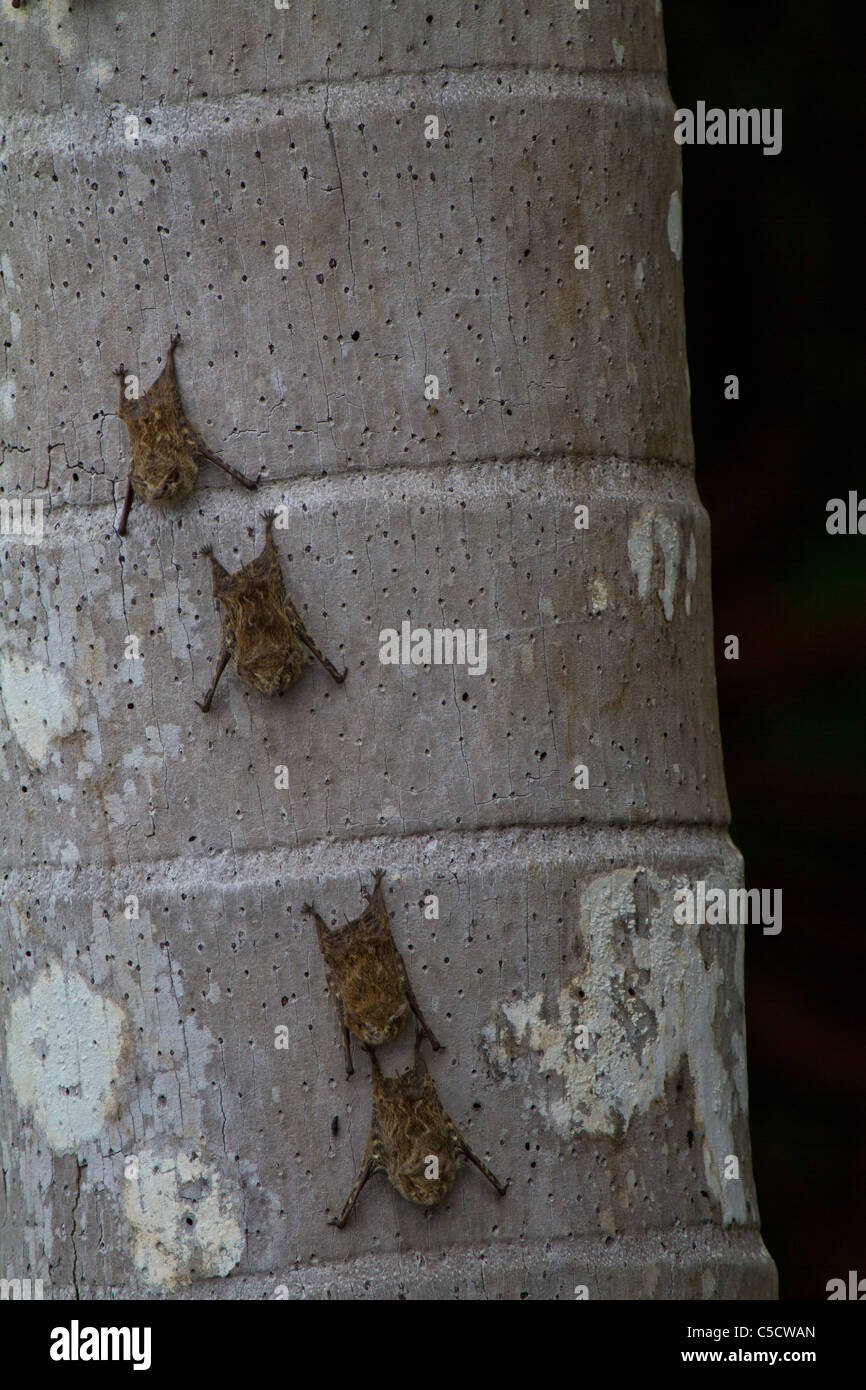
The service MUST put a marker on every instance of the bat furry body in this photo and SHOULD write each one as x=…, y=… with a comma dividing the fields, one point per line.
x=166, y=448
x=412, y=1139
x=262, y=630
x=366, y=975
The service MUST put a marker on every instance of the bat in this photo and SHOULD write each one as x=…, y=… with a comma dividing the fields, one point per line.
x=166, y=448
x=412, y=1139
x=262, y=630
x=367, y=979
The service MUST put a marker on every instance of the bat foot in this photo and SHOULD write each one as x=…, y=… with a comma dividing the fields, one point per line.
x=204, y=705
x=367, y=893
x=340, y=679
x=251, y=483
x=173, y=341
x=333, y=1221
x=120, y=371
x=120, y=530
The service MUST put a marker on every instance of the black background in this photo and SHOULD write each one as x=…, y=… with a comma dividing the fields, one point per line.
x=773, y=258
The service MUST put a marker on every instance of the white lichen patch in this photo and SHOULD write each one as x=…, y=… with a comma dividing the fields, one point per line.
x=7, y=400
x=58, y=23
x=186, y=1218
x=100, y=71
x=39, y=706
x=69, y=855
x=598, y=595
x=53, y=17
x=675, y=225
x=63, y=1049
x=647, y=1001
x=174, y=1048
x=653, y=529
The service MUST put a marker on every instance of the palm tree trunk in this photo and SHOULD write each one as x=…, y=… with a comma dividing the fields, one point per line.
x=172, y=1066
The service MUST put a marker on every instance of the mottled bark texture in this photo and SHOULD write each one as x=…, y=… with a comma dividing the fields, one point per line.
x=154, y=1138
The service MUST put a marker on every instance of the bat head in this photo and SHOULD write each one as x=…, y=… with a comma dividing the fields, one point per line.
x=375, y=1032
x=161, y=474
x=270, y=669
x=427, y=1172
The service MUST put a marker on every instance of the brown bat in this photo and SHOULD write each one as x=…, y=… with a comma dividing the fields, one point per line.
x=412, y=1139
x=166, y=448
x=262, y=629
x=368, y=981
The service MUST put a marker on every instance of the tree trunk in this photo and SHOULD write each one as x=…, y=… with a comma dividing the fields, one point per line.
x=172, y=1064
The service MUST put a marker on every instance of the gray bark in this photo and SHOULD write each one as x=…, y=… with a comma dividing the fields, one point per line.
x=154, y=1139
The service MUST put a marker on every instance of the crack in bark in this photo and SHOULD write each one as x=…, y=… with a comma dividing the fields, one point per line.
x=78, y=1166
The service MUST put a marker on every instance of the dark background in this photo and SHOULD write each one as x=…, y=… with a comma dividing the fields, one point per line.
x=773, y=259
